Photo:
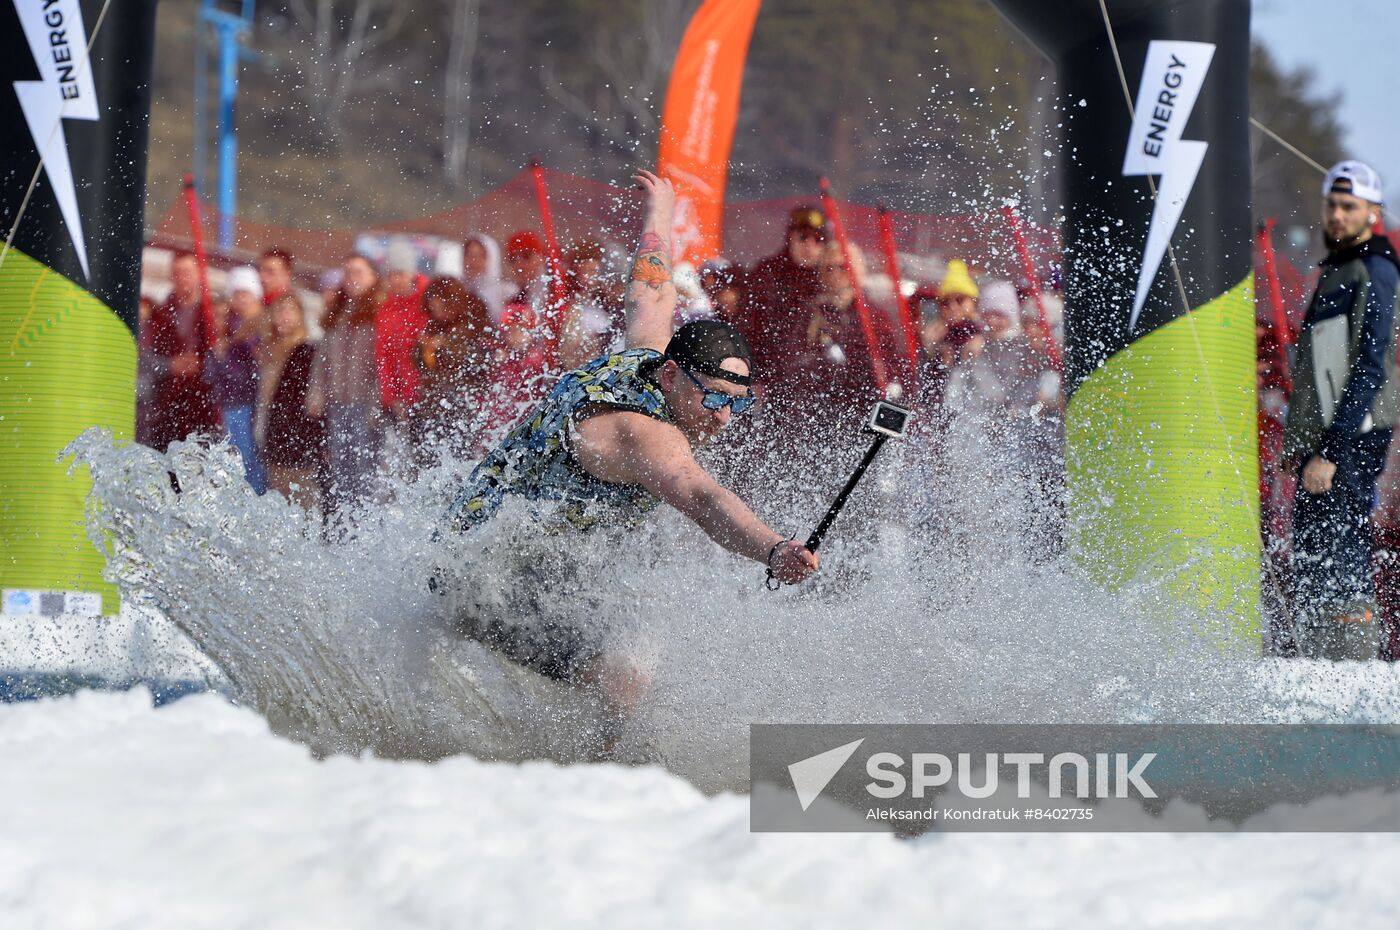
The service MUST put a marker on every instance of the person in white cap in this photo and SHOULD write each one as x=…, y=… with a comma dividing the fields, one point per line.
x=1346, y=400
x=232, y=368
x=1006, y=383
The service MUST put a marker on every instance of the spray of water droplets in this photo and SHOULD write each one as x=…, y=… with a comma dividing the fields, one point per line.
x=934, y=605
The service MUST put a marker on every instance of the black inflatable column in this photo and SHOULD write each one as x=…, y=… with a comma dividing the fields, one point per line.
x=69, y=276
x=1161, y=428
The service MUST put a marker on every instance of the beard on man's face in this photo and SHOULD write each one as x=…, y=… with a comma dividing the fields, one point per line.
x=1334, y=243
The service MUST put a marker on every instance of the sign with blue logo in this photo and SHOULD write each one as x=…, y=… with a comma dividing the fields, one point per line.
x=20, y=603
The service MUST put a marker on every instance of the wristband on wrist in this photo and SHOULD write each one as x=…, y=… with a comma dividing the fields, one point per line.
x=771, y=582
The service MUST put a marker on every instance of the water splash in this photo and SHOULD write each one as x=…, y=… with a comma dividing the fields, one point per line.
x=931, y=609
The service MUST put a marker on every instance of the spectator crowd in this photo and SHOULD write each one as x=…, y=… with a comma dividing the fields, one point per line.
x=383, y=368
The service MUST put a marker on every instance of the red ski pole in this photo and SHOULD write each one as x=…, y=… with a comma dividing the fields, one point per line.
x=1283, y=332
x=906, y=316
x=1028, y=267
x=558, y=298
x=206, y=304
x=1266, y=251
x=877, y=364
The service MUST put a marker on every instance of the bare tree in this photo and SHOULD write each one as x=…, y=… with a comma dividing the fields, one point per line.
x=634, y=65
x=332, y=43
x=457, y=89
x=1290, y=104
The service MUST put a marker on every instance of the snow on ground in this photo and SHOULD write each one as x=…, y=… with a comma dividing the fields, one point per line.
x=196, y=814
x=119, y=815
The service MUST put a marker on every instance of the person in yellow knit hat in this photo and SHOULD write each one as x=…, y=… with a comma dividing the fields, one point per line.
x=957, y=282
x=955, y=333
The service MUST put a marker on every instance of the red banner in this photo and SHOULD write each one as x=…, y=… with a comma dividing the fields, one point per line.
x=697, y=125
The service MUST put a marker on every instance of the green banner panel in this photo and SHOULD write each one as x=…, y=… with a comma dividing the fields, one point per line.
x=1163, y=462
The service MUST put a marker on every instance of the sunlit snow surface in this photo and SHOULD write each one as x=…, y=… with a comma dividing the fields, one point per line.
x=195, y=816
x=380, y=772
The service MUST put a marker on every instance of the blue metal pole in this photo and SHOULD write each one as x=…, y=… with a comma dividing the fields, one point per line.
x=201, y=69
x=228, y=139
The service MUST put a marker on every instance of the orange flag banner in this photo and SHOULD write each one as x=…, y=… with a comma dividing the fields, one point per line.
x=697, y=125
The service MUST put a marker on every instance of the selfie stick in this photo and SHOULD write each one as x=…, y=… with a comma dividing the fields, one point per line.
x=886, y=420
x=815, y=539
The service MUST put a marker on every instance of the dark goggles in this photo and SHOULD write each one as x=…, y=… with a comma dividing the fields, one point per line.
x=718, y=400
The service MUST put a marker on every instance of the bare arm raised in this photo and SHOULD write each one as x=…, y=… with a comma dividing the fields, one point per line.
x=651, y=295
x=627, y=448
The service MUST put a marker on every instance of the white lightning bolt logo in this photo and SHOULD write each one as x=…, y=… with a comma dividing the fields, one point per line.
x=65, y=90
x=1171, y=80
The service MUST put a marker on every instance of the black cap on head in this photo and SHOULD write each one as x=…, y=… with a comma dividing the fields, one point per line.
x=701, y=345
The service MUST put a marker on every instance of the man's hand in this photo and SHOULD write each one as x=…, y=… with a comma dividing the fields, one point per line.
x=793, y=563
x=1318, y=474
x=652, y=265
x=661, y=193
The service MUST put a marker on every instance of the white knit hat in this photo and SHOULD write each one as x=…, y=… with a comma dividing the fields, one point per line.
x=401, y=257
x=999, y=296
x=245, y=279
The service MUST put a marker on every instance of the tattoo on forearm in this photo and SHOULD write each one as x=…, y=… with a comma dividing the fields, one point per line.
x=652, y=266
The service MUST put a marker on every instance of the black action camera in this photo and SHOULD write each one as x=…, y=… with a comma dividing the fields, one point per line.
x=888, y=418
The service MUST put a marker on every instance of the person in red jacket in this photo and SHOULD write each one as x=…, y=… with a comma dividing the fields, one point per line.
x=781, y=287
x=398, y=325
x=182, y=403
